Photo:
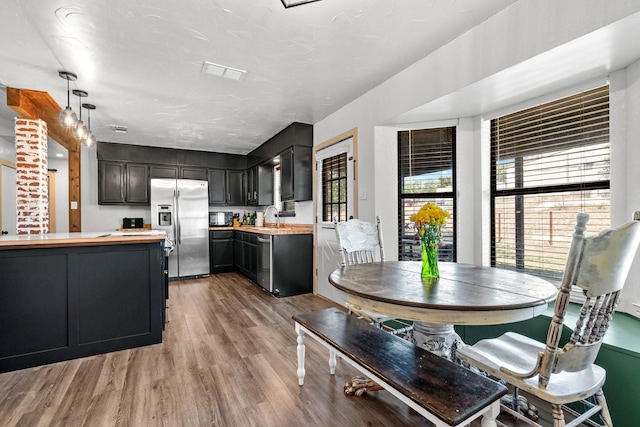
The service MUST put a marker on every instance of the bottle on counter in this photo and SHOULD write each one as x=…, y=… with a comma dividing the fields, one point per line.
x=244, y=219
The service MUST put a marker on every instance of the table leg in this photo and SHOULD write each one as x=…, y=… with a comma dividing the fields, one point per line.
x=441, y=340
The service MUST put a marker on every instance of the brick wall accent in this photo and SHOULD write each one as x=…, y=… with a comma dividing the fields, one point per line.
x=32, y=188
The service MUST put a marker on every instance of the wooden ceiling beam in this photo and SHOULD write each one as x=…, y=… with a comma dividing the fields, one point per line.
x=34, y=104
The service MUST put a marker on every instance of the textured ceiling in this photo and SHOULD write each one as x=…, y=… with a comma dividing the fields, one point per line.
x=140, y=61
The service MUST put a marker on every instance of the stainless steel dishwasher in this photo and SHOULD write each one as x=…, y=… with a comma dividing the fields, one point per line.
x=265, y=266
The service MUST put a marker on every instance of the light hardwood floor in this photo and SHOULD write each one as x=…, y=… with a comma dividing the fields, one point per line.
x=228, y=358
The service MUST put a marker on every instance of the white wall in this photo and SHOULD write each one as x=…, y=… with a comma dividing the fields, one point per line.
x=527, y=29
x=62, y=193
x=625, y=173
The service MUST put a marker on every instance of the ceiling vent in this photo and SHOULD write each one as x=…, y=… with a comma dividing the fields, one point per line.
x=119, y=128
x=223, y=71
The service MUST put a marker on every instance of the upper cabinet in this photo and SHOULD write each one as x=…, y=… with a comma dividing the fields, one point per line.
x=183, y=172
x=163, y=171
x=124, y=172
x=235, y=187
x=260, y=185
x=294, y=145
x=193, y=173
x=295, y=174
x=226, y=187
x=123, y=183
x=234, y=180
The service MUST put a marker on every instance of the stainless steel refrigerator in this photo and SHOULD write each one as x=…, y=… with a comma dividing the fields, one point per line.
x=180, y=207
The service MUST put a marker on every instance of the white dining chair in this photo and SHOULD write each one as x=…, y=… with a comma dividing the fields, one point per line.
x=561, y=375
x=360, y=242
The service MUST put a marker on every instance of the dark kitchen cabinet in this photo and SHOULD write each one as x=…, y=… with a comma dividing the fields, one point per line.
x=62, y=303
x=295, y=174
x=181, y=172
x=217, y=186
x=193, y=173
x=235, y=187
x=137, y=180
x=246, y=254
x=260, y=185
x=123, y=183
x=111, y=182
x=226, y=187
x=292, y=264
x=163, y=171
x=221, y=251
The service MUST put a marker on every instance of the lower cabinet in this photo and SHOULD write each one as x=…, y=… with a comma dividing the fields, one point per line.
x=246, y=254
x=291, y=267
x=67, y=302
x=221, y=251
x=292, y=264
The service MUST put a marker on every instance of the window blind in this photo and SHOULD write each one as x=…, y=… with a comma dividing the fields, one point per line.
x=548, y=163
x=426, y=169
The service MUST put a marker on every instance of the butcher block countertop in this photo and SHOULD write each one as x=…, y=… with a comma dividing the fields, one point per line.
x=271, y=229
x=54, y=240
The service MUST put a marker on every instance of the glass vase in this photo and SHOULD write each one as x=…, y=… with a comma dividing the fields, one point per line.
x=429, y=260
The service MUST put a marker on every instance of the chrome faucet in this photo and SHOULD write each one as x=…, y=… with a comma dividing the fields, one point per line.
x=277, y=214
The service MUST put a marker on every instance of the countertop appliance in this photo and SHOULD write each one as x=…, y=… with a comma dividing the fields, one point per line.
x=220, y=219
x=180, y=207
x=132, y=223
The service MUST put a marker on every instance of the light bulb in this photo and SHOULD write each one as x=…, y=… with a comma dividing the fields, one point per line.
x=91, y=140
x=80, y=131
x=68, y=118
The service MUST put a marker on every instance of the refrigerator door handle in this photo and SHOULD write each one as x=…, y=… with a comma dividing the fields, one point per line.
x=176, y=223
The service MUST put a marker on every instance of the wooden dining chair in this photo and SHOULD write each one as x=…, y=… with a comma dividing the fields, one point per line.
x=598, y=265
x=360, y=242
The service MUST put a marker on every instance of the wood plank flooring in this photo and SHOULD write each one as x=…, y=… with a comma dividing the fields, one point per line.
x=228, y=358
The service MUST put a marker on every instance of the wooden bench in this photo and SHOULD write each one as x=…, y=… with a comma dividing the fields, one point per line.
x=443, y=392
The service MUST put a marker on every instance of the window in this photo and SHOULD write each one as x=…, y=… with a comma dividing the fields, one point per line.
x=426, y=167
x=548, y=163
x=284, y=208
x=334, y=188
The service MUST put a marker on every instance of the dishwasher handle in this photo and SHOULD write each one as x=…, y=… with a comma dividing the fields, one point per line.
x=263, y=240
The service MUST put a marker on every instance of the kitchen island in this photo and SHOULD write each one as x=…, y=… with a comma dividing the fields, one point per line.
x=70, y=295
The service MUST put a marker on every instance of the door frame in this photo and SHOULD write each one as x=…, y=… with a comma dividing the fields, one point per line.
x=51, y=174
x=352, y=133
x=11, y=165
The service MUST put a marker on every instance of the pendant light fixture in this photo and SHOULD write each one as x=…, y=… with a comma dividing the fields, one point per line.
x=80, y=131
x=68, y=118
x=89, y=140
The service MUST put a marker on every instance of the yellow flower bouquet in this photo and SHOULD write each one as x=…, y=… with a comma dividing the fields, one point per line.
x=429, y=221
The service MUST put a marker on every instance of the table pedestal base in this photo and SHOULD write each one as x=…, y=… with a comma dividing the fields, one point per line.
x=441, y=340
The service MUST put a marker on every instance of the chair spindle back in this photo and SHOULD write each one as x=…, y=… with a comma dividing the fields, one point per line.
x=598, y=265
x=357, y=241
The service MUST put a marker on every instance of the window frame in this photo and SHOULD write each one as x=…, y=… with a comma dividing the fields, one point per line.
x=538, y=190
x=427, y=197
x=342, y=183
